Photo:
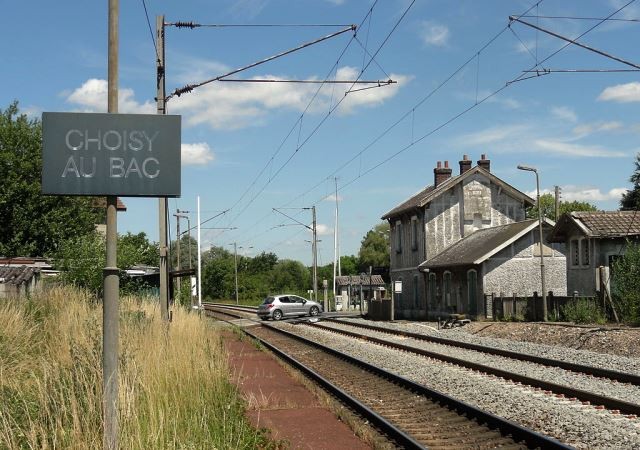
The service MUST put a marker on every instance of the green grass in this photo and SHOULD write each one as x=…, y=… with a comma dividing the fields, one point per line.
x=174, y=390
x=583, y=311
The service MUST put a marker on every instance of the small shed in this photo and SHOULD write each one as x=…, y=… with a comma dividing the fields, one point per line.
x=352, y=288
x=16, y=282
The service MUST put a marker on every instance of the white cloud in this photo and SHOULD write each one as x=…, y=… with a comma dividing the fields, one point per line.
x=564, y=113
x=590, y=194
x=32, y=112
x=492, y=135
x=622, y=93
x=92, y=97
x=434, y=34
x=369, y=97
x=197, y=154
x=569, y=149
x=332, y=198
x=323, y=230
x=586, y=129
x=527, y=46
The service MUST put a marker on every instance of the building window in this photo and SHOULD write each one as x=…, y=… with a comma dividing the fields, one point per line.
x=432, y=289
x=415, y=291
x=585, y=251
x=472, y=290
x=446, y=288
x=398, y=237
x=575, y=252
x=580, y=252
x=414, y=233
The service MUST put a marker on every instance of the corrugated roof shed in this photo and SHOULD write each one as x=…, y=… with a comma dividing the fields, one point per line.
x=17, y=275
x=356, y=279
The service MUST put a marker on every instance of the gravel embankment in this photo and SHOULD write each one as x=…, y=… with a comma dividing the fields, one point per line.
x=621, y=391
x=568, y=421
x=588, y=358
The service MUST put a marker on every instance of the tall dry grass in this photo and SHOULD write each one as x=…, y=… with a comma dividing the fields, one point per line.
x=173, y=390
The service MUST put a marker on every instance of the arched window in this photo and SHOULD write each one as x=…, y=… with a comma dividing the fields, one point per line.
x=446, y=288
x=472, y=290
x=432, y=289
x=416, y=297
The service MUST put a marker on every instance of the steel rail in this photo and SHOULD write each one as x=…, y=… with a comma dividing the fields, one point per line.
x=607, y=402
x=506, y=427
x=391, y=431
x=574, y=367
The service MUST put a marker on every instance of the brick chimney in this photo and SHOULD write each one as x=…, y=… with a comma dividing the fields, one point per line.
x=484, y=163
x=465, y=164
x=441, y=174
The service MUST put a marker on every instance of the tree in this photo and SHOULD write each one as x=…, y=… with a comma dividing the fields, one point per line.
x=631, y=199
x=374, y=249
x=349, y=265
x=32, y=224
x=186, y=241
x=626, y=283
x=548, y=207
x=82, y=258
x=290, y=276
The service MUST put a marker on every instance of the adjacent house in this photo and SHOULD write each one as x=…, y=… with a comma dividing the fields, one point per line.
x=463, y=237
x=594, y=239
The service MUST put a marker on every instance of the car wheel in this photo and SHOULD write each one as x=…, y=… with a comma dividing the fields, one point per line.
x=314, y=311
x=277, y=314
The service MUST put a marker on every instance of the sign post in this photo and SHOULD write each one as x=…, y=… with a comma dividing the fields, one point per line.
x=111, y=155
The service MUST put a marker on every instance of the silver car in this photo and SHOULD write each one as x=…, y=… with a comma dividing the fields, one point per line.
x=287, y=305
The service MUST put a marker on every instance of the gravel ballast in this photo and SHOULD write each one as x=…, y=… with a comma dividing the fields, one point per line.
x=567, y=420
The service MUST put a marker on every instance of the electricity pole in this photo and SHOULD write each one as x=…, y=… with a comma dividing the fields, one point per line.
x=235, y=258
x=110, y=315
x=315, y=259
x=177, y=216
x=162, y=201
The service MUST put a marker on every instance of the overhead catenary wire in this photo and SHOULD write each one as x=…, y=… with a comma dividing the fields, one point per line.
x=421, y=102
x=293, y=127
x=192, y=25
x=315, y=129
x=417, y=105
x=447, y=122
x=323, y=120
x=455, y=117
x=190, y=87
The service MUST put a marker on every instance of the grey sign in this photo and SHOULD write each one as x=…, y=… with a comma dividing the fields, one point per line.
x=130, y=155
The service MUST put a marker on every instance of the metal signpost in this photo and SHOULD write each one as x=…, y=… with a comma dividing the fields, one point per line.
x=111, y=155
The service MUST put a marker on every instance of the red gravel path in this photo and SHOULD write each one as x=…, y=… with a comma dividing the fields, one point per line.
x=283, y=405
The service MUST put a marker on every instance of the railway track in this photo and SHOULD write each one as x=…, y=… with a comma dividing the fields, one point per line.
x=607, y=377
x=578, y=368
x=412, y=415
x=589, y=397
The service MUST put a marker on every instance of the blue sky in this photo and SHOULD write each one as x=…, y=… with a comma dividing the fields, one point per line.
x=250, y=147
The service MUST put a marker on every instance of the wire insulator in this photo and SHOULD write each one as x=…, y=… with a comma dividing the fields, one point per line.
x=184, y=90
x=191, y=25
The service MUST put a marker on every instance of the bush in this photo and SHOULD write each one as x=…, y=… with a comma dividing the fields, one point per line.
x=626, y=284
x=583, y=310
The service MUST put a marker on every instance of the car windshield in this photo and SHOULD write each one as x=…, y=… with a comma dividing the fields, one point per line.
x=267, y=300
